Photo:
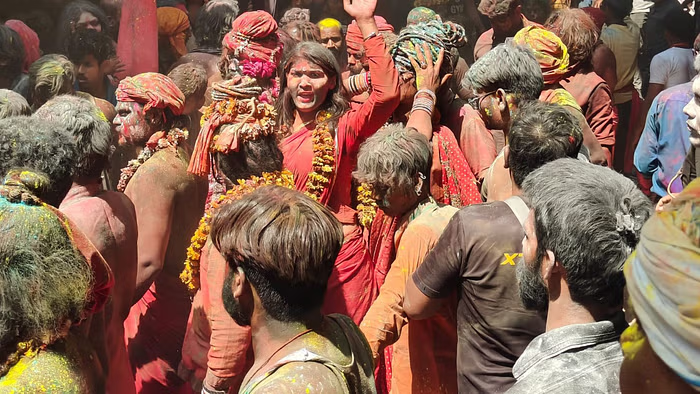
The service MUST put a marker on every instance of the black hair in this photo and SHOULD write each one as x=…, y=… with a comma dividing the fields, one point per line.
x=541, y=132
x=681, y=25
x=213, y=22
x=71, y=14
x=85, y=42
x=253, y=158
x=620, y=8
x=11, y=53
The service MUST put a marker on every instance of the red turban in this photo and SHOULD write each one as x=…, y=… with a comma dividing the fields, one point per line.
x=153, y=90
x=354, y=39
x=30, y=40
x=549, y=50
x=254, y=37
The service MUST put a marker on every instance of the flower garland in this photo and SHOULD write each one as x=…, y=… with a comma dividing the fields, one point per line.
x=367, y=205
x=157, y=142
x=190, y=274
x=323, y=162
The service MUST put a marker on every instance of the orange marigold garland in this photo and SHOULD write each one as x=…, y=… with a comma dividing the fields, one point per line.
x=158, y=141
x=190, y=274
x=323, y=162
x=367, y=206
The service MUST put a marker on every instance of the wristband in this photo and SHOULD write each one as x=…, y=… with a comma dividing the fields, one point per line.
x=428, y=92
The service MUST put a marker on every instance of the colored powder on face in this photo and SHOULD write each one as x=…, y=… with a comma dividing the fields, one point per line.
x=632, y=340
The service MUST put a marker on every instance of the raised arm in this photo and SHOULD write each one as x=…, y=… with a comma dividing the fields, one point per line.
x=427, y=80
x=373, y=113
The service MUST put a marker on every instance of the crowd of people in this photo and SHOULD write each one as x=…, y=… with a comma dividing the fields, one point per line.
x=261, y=197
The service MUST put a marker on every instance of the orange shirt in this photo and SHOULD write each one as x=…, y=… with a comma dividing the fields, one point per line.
x=424, y=351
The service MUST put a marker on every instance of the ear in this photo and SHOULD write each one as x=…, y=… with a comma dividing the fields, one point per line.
x=548, y=264
x=506, y=156
x=519, y=10
x=502, y=100
x=333, y=81
x=239, y=283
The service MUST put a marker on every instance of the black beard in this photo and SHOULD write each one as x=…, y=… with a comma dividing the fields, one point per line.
x=533, y=291
x=231, y=305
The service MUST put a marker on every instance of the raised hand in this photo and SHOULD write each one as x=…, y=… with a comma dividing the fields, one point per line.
x=360, y=9
x=427, y=72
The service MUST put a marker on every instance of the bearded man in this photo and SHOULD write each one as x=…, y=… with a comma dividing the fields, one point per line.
x=169, y=203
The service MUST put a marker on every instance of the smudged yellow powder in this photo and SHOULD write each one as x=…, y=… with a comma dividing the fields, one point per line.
x=632, y=341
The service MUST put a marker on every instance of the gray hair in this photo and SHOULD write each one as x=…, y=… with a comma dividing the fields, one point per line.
x=13, y=104
x=92, y=131
x=392, y=158
x=590, y=217
x=50, y=76
x=508, y=67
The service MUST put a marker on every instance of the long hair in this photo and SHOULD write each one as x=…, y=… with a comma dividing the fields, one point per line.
x=70, y=15
x=317, y=54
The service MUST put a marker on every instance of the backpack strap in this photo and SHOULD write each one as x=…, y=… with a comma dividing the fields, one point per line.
x=519, y=208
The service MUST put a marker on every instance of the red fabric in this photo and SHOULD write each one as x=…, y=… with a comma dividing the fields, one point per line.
x=254, y=34
x=476, y=141
x=30, y=41
x=137, y=46
x=631, y=142
x=354, y=38
x=350, y=285
x=215, y=347
x=597, y=15
x=593, y=95
x=153, y=90
x=155, y=346
x=458, y=184
x=103, y=278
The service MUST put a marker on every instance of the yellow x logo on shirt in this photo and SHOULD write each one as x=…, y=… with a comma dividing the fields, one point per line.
x=510, y=258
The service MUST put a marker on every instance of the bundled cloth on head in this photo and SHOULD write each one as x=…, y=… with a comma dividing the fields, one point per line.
x=549, y=50
x=422, y=14
x=254, y=43
x=663, y=281
x=30, y=41
x=242, y=107
x=354, y=39
x=153, y=90
x=436, y=34
x=173, y=24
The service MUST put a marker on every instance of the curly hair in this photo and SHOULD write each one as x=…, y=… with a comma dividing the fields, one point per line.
x=85, y=42
x=392, y=158
x=577, y=31
x=29, y=142
x=13, y=104
x=44, y=281
x=306, y=31
x=317, y=54
x=71, y=14
x=191, y=78
x=50, y=76
x=88, y=125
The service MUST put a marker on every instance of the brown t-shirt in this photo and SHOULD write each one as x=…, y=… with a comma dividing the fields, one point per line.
x=478, y=250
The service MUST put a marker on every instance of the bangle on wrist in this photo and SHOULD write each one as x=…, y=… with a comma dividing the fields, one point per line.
x=428, y=92
x=371, y=35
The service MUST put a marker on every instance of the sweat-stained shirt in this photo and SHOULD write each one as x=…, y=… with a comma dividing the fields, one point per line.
x=476, y=254
x=424, y=352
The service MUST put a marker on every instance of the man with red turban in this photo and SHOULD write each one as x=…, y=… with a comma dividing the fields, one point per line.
x=357, y=61
x=169, y=202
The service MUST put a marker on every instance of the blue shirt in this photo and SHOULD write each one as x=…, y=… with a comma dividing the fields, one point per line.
x=665, y=140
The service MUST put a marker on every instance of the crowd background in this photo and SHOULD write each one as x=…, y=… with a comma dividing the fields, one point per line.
x=349, y=196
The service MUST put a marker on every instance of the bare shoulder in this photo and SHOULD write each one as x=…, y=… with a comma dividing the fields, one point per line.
x=165, y=170
x=47, y=369
x=302, y=377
